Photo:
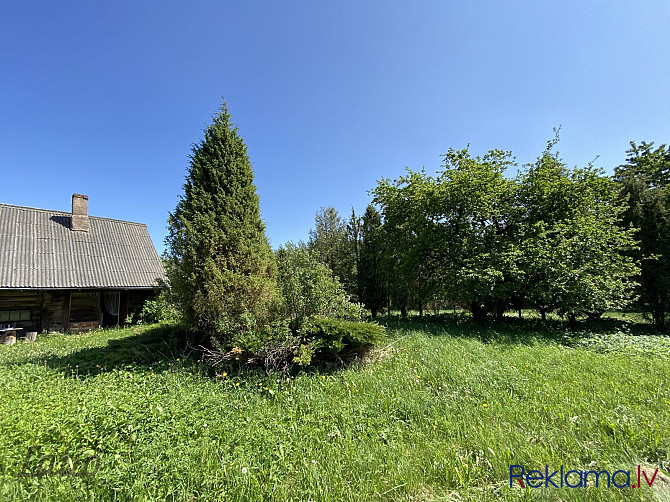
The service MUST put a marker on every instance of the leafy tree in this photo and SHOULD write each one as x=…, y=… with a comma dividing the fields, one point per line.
x=222, y=270
x=447, y=236
x=573, y=252
x=478, y=220
x=471, y=235
x=408, y=238
x=644, y=187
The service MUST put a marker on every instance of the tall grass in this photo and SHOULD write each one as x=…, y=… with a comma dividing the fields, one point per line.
x=439, y=414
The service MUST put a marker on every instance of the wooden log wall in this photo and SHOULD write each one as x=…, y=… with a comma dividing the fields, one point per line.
x=51, y=310
x=17, y=300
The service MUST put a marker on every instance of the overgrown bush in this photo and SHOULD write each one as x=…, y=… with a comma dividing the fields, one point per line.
x=309, y=287
x=327, y=338
x=160, y=308
x=316, y=340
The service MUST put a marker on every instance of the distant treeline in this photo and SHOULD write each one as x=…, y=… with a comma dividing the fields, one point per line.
x=555, y=239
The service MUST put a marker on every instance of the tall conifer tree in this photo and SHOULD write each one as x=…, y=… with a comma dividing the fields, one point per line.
x=221, y=267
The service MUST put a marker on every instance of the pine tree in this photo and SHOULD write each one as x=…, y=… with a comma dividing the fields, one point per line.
x=221, y=268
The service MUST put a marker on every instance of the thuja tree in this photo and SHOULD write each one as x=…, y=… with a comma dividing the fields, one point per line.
x=222, y=270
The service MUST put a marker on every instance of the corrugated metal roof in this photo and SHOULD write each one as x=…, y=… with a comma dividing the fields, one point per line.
x=39, y=251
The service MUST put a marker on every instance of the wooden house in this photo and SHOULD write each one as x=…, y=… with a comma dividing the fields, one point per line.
x=71, y=271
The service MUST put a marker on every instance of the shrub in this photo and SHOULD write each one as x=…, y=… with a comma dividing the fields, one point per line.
x=309, y=287
x=160, y=308
x=327, y=338
x=316, y=340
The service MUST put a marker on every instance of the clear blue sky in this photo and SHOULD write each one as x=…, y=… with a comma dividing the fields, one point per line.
x=106, y=98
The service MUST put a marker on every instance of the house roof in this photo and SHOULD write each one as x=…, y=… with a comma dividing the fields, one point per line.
x=39, y=251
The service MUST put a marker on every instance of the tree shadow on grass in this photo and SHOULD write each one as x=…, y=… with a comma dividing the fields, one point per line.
x=157, y=347
x=163, y=348
x=512, y=330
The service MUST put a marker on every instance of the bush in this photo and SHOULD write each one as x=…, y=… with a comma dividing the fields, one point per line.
x=319, y=323
x=309, y=287
x=326, y=339
x=161, y=308
x=317, y=340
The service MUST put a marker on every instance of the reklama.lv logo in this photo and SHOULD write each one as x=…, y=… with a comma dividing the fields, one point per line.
x=575, y=478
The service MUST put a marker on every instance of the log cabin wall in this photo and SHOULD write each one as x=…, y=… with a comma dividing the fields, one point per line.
x=63, y=310
x=21, y=307
x=136, y=301
x=84, y=311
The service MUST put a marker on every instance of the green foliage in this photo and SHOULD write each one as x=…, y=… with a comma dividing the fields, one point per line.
x=372, y=277
x=327, y=338
x=159, y=309
x=644, y=187
x=308, y=286
x=470, y=235
x=221, y=267
x=407, y=237
x=573, y=255
x=449, y=236
x=330, y=242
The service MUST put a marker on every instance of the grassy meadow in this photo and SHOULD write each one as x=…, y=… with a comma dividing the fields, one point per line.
x=440, y=413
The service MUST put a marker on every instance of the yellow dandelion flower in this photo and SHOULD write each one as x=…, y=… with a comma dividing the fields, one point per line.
x=225, y=374
x=485, y=405
x=237, y=384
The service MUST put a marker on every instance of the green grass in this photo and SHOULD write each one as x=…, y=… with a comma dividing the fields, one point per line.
x=439, y=415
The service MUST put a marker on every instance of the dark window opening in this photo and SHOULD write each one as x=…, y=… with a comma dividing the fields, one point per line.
x=84, y=306
x=14, y=315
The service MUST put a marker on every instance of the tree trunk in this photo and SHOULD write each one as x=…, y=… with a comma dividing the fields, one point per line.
x=403, y=311
x=658, y=314
x=478, y=312
x=572, y=321
x=543, y=313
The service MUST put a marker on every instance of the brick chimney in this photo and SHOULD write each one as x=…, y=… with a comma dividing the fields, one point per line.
x=79, y=219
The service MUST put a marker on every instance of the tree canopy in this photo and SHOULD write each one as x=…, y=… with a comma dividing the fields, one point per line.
x=548, y=238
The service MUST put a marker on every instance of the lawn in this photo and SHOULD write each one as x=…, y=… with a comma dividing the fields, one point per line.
x=440, y=414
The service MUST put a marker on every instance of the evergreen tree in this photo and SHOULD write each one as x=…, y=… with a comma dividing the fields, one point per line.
x=330, y=243
x=371, y=274
x=222, y=270
x=644, y=186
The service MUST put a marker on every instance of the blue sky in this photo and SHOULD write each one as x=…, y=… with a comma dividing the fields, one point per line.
x=106, y=98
